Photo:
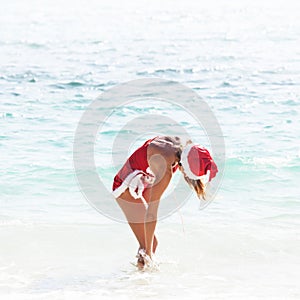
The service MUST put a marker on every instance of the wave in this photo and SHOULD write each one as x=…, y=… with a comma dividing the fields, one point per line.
x=168, y=71
x=270, y=162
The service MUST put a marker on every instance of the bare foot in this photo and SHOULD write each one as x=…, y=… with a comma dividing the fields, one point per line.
x=140, y=263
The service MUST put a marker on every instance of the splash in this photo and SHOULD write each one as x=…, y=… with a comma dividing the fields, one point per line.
x=146, y=263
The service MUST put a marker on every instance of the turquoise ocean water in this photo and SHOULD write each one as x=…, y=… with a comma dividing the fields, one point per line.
x=242, y=57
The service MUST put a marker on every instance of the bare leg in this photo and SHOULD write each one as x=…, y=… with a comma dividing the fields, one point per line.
x=139, y=232
x=146, y=194
x=155, y=243
x=135, y=212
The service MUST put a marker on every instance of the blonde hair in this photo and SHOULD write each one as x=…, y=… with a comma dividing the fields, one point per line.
x=197, y=185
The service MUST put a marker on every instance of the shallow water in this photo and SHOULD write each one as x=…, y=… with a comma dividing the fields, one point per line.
x=242, y=57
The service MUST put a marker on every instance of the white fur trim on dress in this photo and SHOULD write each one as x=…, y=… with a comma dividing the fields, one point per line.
x=134, y=183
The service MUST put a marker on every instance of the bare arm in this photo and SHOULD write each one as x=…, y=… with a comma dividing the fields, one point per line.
x=161, y=165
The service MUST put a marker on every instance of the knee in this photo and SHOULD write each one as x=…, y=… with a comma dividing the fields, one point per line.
x=150, y=217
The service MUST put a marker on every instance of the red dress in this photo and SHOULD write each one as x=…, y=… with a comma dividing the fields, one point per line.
x=135, y=174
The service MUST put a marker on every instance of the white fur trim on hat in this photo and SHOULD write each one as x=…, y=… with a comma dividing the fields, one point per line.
x=186, y=166
x=185, y=163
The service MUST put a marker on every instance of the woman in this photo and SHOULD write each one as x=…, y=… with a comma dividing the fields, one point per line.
x=140, y=183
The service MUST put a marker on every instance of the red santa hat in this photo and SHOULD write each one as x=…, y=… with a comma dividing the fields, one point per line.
x=197, y=163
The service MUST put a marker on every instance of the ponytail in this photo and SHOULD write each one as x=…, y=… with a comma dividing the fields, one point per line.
x=197, y=185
